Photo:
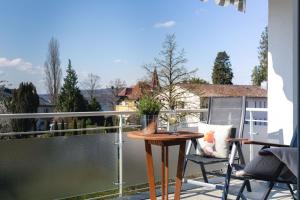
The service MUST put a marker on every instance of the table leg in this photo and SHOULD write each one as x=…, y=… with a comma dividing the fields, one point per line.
x=150, y=170
x=163, y=172
x=179, y=171
x=167, y=172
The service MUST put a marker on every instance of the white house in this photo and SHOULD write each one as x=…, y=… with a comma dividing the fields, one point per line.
x=195, y=96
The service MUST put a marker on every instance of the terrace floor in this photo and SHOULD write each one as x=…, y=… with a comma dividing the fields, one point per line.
x=191, y=192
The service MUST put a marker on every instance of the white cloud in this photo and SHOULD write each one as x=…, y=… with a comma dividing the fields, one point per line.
x=120, y=61
x=166, y=24
x=20, y=65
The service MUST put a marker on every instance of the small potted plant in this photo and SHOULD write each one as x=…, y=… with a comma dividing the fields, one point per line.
x=148, y=109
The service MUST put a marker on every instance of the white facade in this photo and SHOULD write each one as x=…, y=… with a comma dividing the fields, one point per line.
x=194, y=101
x=282, y=69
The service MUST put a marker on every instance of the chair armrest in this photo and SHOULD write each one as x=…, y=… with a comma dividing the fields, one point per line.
x=236, y=139
x=264, y=143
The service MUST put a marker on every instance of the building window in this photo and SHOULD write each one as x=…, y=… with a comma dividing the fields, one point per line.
x=265, y=123
x=260, y=104
x=265, y=104
x=246, y=104
x=254, y=104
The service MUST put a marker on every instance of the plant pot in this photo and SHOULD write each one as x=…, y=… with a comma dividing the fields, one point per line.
x=149, y=124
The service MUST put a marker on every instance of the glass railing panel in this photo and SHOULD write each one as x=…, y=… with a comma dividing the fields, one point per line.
x=57, y=167
x=260, y=134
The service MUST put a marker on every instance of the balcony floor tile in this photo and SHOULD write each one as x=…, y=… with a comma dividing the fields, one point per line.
x=191, y=192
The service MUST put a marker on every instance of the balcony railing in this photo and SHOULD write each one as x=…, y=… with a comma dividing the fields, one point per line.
x=96, y=164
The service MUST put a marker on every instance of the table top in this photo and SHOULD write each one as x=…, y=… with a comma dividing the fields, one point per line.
x=165, y=136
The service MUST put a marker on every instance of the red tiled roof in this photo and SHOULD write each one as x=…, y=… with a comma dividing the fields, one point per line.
x=125, y=92
x=135, y=92
x=210, y=90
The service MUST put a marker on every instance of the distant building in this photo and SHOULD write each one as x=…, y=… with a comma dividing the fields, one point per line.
x=129, y=96
x=45, y=105
x=195, y=96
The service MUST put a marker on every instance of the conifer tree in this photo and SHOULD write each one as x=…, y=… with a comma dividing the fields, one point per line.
x=222, y=72
x=70, y=99
x=24, y=100
x=260, y=72
x=94, y=105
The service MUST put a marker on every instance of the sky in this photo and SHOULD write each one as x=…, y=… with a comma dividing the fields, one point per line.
x=115, y=38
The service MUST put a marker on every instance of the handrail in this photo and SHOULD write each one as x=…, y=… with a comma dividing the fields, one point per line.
x=257, y=109
x=85, y=114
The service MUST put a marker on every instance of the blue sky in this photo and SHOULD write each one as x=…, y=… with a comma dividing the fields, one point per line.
x=114, y=38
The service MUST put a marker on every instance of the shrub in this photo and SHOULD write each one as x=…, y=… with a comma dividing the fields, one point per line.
x=149, y=106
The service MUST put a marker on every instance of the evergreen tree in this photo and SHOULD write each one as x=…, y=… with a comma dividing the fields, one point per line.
x=256, y=76
x=94, y=105
x=70, y=99
x=24, y=100
x=260, y=72
x=222, y=72
x=196, y=81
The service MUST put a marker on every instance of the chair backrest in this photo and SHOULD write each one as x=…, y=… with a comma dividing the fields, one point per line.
x=294, y=139
x=228, y=111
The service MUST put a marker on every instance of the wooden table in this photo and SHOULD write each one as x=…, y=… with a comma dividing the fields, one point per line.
x=164, y=139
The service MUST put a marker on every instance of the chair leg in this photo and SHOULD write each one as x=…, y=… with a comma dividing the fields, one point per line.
x=267, y=193
x=184, y=167
x=227, y=182
x=291, y=191
x=204, y=173
x=248, y=186
x=241, y=190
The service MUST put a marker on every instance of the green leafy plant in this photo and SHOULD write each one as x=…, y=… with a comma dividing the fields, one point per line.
x=149, y=106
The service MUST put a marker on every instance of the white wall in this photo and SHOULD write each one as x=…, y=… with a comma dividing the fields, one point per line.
x=295, y=63
x=281, y=69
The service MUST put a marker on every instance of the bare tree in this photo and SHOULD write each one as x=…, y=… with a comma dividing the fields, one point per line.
x=53, y=71
x=171, y=71
x=116, y=87
x=91, y=83
x=4, y=123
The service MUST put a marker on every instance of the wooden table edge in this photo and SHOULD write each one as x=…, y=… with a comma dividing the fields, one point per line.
x=164, y=136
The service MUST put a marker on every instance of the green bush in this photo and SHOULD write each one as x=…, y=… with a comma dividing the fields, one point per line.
x=149, y=106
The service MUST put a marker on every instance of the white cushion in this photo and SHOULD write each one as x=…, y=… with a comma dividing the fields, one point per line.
x=214, y=142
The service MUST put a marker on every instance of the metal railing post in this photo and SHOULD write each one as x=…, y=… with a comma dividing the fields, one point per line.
x=120, y=153
x=251, y=134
